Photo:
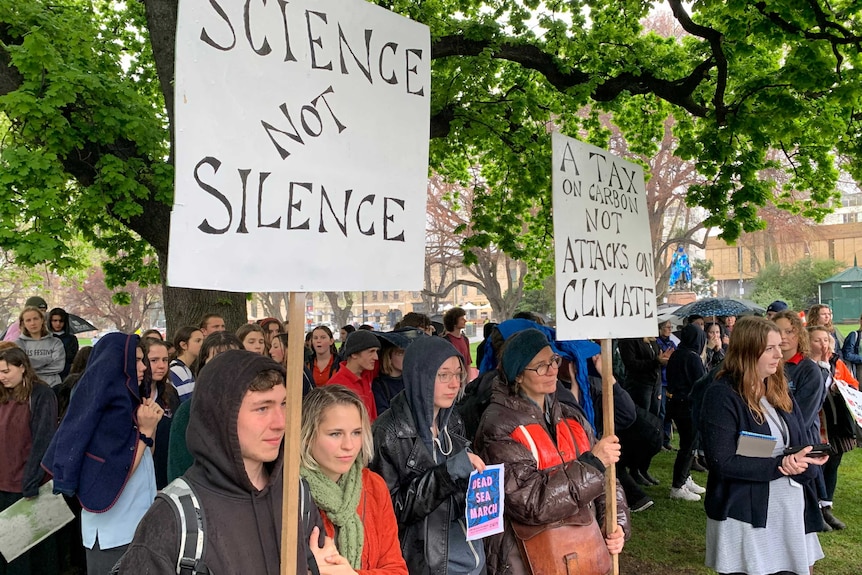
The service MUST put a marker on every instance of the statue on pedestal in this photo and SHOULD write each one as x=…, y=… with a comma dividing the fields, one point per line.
x=680, y=270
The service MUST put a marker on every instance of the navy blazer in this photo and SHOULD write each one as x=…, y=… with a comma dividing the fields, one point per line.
x=93, y=451
x=738, y=486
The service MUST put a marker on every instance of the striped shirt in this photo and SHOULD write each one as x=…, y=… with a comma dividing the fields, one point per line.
x=182, y=379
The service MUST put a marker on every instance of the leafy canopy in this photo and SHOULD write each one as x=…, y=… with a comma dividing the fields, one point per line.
x=765, y=97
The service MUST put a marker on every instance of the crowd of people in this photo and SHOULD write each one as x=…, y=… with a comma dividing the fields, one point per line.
x=171, y=452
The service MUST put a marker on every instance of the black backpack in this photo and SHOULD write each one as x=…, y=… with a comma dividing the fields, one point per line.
x=192, y=523
x=192, y=528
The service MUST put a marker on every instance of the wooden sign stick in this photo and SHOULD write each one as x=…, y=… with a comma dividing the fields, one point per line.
x=293, y=420
x=608, y=426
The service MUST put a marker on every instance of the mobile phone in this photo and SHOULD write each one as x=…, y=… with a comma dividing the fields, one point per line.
x=817, y=450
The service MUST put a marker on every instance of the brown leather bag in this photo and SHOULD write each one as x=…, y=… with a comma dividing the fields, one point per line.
x=563, y=549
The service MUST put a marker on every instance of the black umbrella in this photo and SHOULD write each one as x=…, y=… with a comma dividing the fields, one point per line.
x=720, y=306
x=77, y=324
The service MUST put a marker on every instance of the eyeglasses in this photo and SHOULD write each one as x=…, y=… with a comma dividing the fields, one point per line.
x=447, y=376
x=544, y=367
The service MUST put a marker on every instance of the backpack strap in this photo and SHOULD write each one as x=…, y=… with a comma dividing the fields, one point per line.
x=192, y=527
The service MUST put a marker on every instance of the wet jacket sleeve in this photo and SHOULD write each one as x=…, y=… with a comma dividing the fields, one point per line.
x=43, y=424
x=534, y=496
x=420, y=492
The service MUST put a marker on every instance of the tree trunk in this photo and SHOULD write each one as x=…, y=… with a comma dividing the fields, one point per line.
x=341, y=315
x=272, y=303
x=186, y=306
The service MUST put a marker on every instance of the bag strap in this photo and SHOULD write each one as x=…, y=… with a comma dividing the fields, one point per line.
x=192, y=527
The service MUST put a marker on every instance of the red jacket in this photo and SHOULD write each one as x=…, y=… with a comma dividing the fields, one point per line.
x=381, y=551
x=360, y=385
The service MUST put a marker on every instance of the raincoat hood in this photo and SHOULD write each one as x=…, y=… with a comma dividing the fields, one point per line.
x=692, y=338
x=422, y=360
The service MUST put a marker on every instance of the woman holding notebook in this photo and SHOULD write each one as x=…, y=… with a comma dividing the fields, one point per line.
x=761, y=505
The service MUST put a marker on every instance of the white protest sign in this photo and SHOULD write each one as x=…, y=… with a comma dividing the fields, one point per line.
x=853, y=399
x=301, y=146
x=603, y=248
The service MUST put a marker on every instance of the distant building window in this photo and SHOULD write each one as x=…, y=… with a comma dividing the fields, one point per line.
x=374, y=296
x=851, y=200
x=463, y=290
x=849, y=218
x=396, y=295
x=386, y=296
x=415, y=294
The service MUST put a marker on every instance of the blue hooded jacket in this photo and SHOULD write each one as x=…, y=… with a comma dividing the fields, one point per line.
x=576, y=351
x=93, y=451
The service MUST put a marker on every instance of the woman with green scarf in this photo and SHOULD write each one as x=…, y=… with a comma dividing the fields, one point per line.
x=354, y=502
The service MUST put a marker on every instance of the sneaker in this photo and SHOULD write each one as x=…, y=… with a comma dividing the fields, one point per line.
x=683, y=494
x=642, y=504
x=693, y=487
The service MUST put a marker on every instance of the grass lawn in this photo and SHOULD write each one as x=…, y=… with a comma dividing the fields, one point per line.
x=669, y=538
x=473, y=345
x=845, y=328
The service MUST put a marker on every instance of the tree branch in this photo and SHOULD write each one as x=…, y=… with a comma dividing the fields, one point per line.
x=678, y=92
x=715, y=42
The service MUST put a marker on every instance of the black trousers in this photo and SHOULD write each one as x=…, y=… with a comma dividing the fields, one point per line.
x=646, y=396
x=101, y=561
x=679, y=410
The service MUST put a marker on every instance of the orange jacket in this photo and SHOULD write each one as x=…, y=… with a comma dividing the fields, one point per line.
x=843, y=373
x=381, y=552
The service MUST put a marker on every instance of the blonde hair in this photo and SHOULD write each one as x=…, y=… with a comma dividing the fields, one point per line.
x=314, y=407
x=41, y=313
x=812, y=328
x=740, y=364
x=386, y=359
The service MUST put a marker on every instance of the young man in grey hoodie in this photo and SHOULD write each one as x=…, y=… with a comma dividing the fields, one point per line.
x=425, y=459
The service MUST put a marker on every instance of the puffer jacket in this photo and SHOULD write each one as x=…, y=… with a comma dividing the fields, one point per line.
x=572, y=490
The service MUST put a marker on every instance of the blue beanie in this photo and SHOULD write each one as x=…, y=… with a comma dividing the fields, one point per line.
x=520, y=350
